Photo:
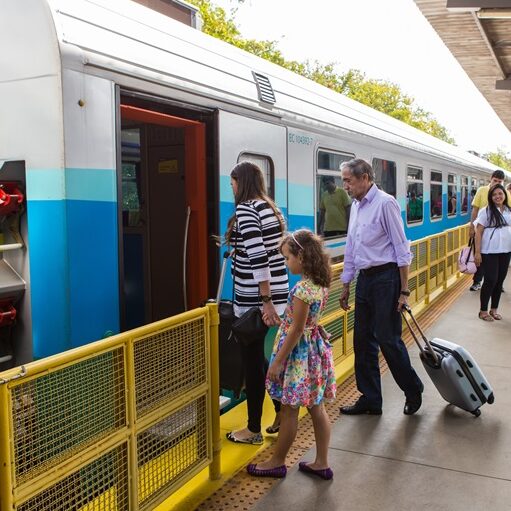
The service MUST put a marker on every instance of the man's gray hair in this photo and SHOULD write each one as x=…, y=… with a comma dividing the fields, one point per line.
x=358, y=167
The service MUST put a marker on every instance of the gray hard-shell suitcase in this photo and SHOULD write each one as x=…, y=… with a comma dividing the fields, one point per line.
x=453, y=371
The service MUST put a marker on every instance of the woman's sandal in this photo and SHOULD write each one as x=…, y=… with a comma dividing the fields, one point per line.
x=255, y=439
x=273, y=429
x=495, y=315
x=485, y=316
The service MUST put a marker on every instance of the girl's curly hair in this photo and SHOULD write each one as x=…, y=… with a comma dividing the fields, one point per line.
x=315, y=261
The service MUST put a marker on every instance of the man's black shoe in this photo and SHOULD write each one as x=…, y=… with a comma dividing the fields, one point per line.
x=358, y=409
x=412, y=404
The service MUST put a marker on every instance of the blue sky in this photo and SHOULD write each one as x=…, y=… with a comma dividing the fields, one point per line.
x=386, y=39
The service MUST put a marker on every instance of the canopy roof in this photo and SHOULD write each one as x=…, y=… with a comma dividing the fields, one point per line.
x=478, y=34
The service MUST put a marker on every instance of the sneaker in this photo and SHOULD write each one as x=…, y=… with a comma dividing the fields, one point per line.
x=475, y=287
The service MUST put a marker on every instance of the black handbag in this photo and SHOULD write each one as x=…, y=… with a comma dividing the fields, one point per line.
x=231, y=362
x=250, y=327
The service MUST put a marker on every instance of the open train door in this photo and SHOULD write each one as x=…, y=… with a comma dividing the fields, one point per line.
x=163, y=221
x=262, y=142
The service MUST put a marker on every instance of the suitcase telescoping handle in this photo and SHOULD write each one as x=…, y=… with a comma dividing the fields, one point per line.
x=430, y=350
x=226, y=256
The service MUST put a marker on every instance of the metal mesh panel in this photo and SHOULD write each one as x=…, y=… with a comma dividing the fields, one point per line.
x=450, y=241
x=100, y=485
x=332, y=304
x=412, y=284
x=423, y=254
x=441, y=246
x=433, y=251
x=351, y=319
x=171, y=447
x=168, y=363
x=57, y=414
x=335, y=328
x=414, y=263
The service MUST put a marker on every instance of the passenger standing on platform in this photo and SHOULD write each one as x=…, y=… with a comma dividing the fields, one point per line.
x=377, y=247
x=301, y=369
x=260, y=279
x=493, y=249
x=481, y=201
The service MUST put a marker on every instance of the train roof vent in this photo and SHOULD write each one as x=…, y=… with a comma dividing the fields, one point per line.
x=264, y=88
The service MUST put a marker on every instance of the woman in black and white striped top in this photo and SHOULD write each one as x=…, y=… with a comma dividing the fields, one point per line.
x=260, y=279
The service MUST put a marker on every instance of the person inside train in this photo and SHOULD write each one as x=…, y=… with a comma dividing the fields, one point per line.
x=260, y=277
x=334, y=209
x=414, y=207
x=377, y=248
x=480, y=201
x=493, y=249
x=451, y=203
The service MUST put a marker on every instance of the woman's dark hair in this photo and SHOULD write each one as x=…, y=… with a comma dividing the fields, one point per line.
x=495, y=218
x=315, y=261
x=251, y=186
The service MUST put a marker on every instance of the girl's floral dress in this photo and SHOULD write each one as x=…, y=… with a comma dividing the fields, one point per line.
x=308, y=377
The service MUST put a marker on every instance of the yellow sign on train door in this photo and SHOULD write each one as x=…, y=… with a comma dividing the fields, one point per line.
x=168, y=167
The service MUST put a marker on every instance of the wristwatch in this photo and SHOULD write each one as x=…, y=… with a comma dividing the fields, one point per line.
x=405, y=292
x=266, y=298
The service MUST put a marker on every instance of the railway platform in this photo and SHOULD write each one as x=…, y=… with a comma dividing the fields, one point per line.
x=440, y=458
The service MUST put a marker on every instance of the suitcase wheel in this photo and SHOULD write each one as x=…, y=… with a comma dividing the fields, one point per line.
x=476, y=413
x=491, y=399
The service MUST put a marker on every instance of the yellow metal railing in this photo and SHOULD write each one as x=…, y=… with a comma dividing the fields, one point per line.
x=119, y=424
x=434, y=267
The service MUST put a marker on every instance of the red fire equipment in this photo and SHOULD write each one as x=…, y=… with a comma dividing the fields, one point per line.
x=11, y=197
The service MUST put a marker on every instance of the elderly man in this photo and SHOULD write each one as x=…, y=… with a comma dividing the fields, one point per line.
x=377, y=247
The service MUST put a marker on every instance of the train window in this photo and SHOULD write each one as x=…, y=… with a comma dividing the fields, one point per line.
x=414, y=195
x=482, y=182
x=385, y=175
x=464, y=194
x=329, y=160
x=266, y=165
x=436, y=195
x=452, y=198
x=332, y=202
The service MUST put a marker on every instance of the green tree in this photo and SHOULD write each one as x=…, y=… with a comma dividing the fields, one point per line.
x=384, y=96
x=500, y=158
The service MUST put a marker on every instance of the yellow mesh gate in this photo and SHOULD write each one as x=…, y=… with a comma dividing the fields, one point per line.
x=115, y=425
x=122, y=423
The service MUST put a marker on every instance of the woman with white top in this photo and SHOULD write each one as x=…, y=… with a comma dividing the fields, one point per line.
x=493, y=249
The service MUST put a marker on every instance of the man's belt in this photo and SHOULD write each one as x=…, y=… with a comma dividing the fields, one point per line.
x=378, y=269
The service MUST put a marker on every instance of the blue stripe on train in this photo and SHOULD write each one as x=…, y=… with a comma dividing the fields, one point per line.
x=73, y=273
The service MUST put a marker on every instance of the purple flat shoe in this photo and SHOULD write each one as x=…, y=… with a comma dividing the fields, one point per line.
x=324, y=473
x=269, y=472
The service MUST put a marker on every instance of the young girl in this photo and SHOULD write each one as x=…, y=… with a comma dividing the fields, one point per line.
x=301, y=371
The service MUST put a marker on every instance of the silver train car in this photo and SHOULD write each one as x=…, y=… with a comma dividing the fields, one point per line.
x=120, y=127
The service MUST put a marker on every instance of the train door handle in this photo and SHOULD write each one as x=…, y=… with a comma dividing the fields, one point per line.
x=185, y=254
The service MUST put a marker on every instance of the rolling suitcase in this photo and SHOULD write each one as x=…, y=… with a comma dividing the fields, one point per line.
x=231, y=366
x=454, y=372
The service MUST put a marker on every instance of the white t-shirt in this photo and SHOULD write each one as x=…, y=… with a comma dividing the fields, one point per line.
x=495, y=241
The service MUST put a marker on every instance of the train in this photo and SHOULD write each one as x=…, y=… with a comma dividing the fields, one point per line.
x=119, y=129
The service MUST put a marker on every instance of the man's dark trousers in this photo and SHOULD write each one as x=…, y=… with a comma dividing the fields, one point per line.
x=378, y=326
